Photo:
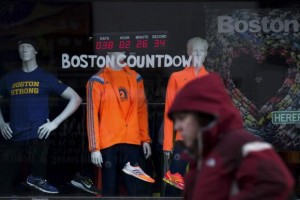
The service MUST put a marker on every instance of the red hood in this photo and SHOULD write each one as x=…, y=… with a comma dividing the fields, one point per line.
x=208, y=94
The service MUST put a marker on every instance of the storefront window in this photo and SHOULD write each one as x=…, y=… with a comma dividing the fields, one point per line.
x=85, y=85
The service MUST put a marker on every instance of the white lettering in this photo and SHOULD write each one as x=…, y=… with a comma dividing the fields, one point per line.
x=227, y=24
x=141, y=37
x=159, y=36
x=264, y=23
x=92, y=57
x=104, y=38
x=159, y=57
x=140, y=61
x=254, y=26
x=288, y=117
x=124, y=37
x=65, y=61
x=75, y=61
x=241, y=26
x=186, y=62
x=277, y=118
x=179, y=61
x=150, y=61
x=101, y=61
x=84, y=63
x=131, y=61
x=287, y=24
x=110, y=60
x=276, y=26
x=168, y=61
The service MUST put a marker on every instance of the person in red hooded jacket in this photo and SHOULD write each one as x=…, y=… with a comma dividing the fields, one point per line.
x=226, y=162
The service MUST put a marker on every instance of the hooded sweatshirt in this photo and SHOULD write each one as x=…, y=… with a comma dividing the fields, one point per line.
x=235, y=165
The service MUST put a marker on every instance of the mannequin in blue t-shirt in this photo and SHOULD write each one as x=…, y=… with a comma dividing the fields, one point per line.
x=29, y=127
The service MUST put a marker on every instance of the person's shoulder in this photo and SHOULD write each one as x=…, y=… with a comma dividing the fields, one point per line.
x=178, y=74
x=241, y=137
x=130, y=71
x=233, y=141
x=98, y=77
x=138, y=77
x=12, y=74
x=42, y=72
x=15, y=71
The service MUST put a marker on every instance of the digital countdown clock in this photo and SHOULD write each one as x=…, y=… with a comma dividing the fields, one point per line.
x=130, y=41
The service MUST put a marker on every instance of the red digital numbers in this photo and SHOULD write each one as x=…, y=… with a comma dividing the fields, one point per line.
x=124, y=44
x=107, y=44
x=142, y=44
x=159, y=43
x=128, y=44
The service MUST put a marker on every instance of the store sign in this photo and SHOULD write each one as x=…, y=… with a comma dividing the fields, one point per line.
x=286, y=117
x=135, y=48
x=228, y=24
x=139, y=61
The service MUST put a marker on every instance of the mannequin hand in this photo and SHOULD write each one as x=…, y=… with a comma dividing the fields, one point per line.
x=146, y=149
x=6, y=131
x=96, y=158
x=167, y=154
x=45, y=130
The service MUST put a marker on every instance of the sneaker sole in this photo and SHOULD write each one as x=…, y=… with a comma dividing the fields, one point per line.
x=172, y=183
x=129, y=173
x=41, y=189
x=80, y=186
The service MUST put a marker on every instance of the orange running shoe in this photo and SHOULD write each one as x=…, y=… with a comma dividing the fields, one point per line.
x=137, y=172
x=175, y=180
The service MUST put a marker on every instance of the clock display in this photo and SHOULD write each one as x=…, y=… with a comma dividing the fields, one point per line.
x=130, y=41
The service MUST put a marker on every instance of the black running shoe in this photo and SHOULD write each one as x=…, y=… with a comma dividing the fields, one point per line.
x=85, y=184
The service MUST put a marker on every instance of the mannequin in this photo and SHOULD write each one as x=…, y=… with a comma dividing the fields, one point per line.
x=197, y=48
x=29, y=126
x=117, y=120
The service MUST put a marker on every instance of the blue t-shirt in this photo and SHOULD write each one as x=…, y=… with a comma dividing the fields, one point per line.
x=29, y=94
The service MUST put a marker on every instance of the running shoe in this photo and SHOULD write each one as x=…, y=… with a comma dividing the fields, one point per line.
x=175, y=180
x=41, y=184
x=137, y=172
x=84, y=183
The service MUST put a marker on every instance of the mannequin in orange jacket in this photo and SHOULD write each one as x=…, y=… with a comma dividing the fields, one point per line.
x=117, y=123
x=96, y=156
x=197, y=48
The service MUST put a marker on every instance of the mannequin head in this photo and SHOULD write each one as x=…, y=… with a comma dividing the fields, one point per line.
x=118, y=58
x=197, y=48
x=28, y=48
x=27, y=52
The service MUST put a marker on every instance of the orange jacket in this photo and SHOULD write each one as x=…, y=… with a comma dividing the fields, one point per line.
x=176, y=82
x=106, y=123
